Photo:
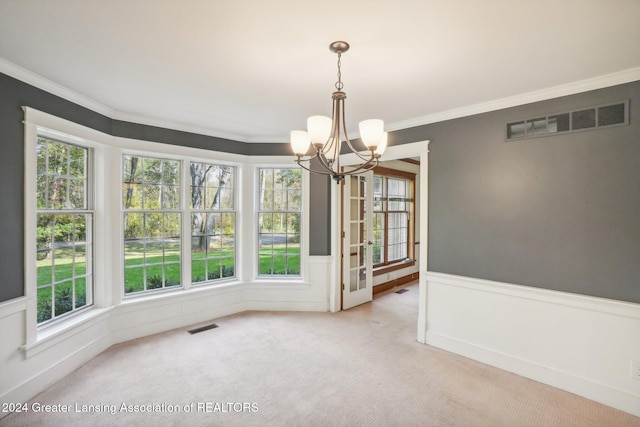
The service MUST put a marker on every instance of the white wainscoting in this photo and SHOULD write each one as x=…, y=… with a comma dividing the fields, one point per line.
x=577, y=343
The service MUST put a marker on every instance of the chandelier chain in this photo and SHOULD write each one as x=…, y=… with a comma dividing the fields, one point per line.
x=339, y=84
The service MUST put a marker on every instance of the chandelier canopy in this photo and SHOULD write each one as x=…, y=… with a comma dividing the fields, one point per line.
x=328, y=136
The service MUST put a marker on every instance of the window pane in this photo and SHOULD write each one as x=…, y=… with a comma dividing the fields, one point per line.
x=151, y=170
x=213, y=231
x=77, y=162
x=151, y=196
x=198, y=271
x=172, y=274
x=76, y=194
x=45, y=304
x=63, y=298
x=134, y=279
x=171, y=172
x=81, y=292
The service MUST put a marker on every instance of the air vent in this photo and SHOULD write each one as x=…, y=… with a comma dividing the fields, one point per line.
x=588, y=118
x=203, y=328
x=402, y=291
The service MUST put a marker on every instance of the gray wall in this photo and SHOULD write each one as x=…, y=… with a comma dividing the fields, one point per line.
x=558, y=212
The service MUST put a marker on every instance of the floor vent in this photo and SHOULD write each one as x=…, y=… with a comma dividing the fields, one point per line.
x=402, y=291
x=203, y=328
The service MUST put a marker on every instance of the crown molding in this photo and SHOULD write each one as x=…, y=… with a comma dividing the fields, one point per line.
x=183, y=127
x=36, y=80
x=607, y=80
x=29, y=77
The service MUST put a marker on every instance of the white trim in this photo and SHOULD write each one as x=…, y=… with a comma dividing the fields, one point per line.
x=12, y=306
x=36, y=80
x=423, y=260
x=57, y=334
x=578, y=343
x=603, y=305
x=598, y=82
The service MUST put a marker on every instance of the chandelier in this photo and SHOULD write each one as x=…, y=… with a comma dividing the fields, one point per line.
x=327, y=135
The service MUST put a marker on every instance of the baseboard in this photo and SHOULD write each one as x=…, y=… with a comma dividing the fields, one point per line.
x=53, y=373
x=396, y=282
x=561, y=339
x=602, y=393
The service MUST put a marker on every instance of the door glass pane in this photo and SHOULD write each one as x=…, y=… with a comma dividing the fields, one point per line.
x=363, y=278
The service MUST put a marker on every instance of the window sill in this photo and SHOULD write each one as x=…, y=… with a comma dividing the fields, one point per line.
x=59, y=332
x=165, y=294
x=393, y=267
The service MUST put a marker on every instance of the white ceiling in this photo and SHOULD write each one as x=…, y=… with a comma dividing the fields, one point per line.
x=252, y=70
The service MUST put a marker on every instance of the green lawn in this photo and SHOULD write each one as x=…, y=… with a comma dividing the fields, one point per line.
x=279, y=261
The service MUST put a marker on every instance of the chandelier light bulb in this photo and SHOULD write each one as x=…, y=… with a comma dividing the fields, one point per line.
x=382, y=146
x=371, y=132
x=300, y=142
x=319, y=128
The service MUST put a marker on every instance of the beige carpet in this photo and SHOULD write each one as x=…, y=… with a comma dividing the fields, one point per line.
x=361, y=367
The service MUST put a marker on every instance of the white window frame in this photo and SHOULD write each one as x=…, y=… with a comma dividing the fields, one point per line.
x=257, y=227
x=42, y=124
x=161, y=211
x=86, y=210
x=108, y=222
x=250, y=199
x=410, y=211
x=234, y=211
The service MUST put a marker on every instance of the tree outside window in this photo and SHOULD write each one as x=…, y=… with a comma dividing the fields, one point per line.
x=279, y=218
x=64, y=229
x=152, y=223
x=213, y=222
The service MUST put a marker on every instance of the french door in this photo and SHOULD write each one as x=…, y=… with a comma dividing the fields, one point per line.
x=357, y=240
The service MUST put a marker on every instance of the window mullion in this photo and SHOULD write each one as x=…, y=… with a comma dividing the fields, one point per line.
x=186, y=225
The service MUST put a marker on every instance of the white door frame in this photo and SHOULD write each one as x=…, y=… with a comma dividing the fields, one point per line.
x=420, y=148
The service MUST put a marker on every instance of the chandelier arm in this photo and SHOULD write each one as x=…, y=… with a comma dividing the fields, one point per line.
x=313, y=170
x=325, y=164
x=302, y=159
x=370, y=164
x=366, y=159
x=347, y=140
